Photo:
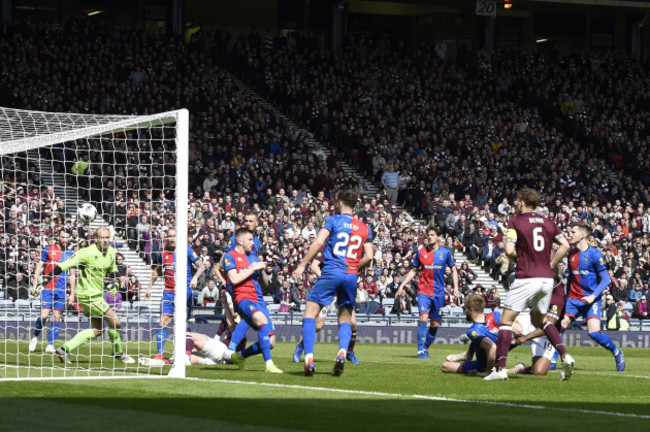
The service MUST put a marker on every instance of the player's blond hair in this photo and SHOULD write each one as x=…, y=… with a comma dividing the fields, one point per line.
x=475, y=302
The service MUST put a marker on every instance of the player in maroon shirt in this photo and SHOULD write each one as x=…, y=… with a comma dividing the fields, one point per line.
x=529, y=242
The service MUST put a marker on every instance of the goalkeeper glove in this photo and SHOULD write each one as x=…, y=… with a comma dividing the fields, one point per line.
x=112, y=288
x=35, y=291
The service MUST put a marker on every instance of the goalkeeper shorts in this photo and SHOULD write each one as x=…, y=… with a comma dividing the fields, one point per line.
x=94, y=307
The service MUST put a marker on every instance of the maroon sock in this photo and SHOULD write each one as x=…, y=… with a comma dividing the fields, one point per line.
x=189, y=345
x=554, y=338
x=241, y=346
x=503, y=345
x=353, y=340
x=222, y=327
x=527, y=371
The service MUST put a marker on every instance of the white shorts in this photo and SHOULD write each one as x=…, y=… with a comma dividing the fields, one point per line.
x=537, y=291
x=540, y=347
x=213, y=350
x=326, y=309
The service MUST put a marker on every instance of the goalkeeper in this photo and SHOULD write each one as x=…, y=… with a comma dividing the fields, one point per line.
x=94, y=262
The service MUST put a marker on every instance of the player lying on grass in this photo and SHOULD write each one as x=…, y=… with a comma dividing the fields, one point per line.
x=199, y=350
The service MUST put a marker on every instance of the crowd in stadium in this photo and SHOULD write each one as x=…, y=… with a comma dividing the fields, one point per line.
x=450, y=141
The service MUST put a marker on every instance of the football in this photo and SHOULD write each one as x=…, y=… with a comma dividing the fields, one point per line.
x=86, y=213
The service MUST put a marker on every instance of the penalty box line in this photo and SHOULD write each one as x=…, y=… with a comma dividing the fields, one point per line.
x=424, y=397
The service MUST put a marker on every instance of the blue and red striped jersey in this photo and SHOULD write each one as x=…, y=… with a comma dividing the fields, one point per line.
x=248, y=289
x=344, y=247
x=432, y=265
x=584, y=273
x=51, y=256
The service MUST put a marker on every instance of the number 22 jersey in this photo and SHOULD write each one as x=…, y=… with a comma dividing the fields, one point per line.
x=344, y=247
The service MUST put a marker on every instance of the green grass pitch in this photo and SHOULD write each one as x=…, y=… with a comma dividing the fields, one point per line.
x=391, y=390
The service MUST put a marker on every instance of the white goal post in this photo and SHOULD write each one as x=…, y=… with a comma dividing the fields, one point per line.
x=43, y=180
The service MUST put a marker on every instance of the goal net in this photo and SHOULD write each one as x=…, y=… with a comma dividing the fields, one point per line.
x=134, y=171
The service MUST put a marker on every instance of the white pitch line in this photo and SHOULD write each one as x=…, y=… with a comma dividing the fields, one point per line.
x=425, y=397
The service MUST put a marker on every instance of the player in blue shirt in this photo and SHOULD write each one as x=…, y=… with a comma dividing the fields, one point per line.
x=238, y=332
x=167, y=269
x=587, y=279
x=346, y=252
x=483, y=337
x=54, y=292
x=431, y=261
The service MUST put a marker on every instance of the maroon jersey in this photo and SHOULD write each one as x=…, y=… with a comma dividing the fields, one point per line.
x=534, y=235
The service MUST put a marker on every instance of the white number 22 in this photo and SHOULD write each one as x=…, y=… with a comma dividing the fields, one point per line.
x=346, y=245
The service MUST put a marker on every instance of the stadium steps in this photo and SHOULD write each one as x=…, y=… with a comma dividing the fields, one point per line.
x=72, y=201
x=483, y=277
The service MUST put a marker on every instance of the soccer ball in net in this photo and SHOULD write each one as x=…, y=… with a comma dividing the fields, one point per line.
x=86, y=213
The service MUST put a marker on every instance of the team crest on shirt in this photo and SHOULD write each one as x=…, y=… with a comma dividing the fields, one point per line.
x=195, y=256
x=226, y=261
x=601, y=261
x=238, y=258
x=251, y=307
x=474, y=334
x=554, y=308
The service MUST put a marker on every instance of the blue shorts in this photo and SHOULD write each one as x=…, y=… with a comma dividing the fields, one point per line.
x=167, y=303
x=247, y=308
x=431, y=306
x=478, y=365
x=576, y=308
x=340, y=284
x=53, y=299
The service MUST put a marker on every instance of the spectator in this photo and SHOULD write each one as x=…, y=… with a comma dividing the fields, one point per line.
x=640, y=309
x=209, y=294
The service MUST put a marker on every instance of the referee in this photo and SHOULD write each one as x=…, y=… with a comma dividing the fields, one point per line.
x=390, y=181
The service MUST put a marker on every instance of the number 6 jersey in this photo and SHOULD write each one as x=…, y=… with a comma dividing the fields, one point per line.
x=344, y=247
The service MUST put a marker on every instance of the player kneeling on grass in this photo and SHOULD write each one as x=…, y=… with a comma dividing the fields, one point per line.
x=199, y=350
x=94, y=263
x=482, y=335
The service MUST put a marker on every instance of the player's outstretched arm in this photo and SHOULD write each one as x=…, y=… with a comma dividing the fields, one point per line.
x=367, y=256
x=409, y=277
x=315, y=268
x=454, y=278
x=199, y=266
x=561, y=251
x=237, y=278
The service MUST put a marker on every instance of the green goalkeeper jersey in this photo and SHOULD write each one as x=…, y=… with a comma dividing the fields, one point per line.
x=93, y=267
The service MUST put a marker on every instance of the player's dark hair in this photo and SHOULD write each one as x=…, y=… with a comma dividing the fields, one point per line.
x=435, y=229
x=242, y=231
x=529, y=196
x=475, y=302
x=348, y=197
x=583, y=227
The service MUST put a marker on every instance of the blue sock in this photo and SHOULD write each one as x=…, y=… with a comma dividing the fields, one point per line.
x=604, y=341
x=345, y=334
x=38, y=327
x=238, y=335
x=161, y=337
x=422, y=334
x=54, y=333
x=431, y=336
x=265, y=342
x=252, y=350
x=309, y=335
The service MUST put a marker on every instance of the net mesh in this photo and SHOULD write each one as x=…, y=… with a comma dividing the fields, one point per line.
x=51, y=164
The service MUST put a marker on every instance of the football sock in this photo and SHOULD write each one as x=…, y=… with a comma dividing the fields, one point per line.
x=38, y=327
x=161, y=337
x=237, y=335
x=345, y=333
x=554, y=337
x=604, y=341
x=422, y=334
x=264, y=341
x=503, y=345
x=242, y=345
x=353, y=340
x=252, y=350
x=431, y=336
x=308, y=336
x=54, y=332
x=114, y=336
x=80, y=338
x=222, y=327
x=189, y=344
